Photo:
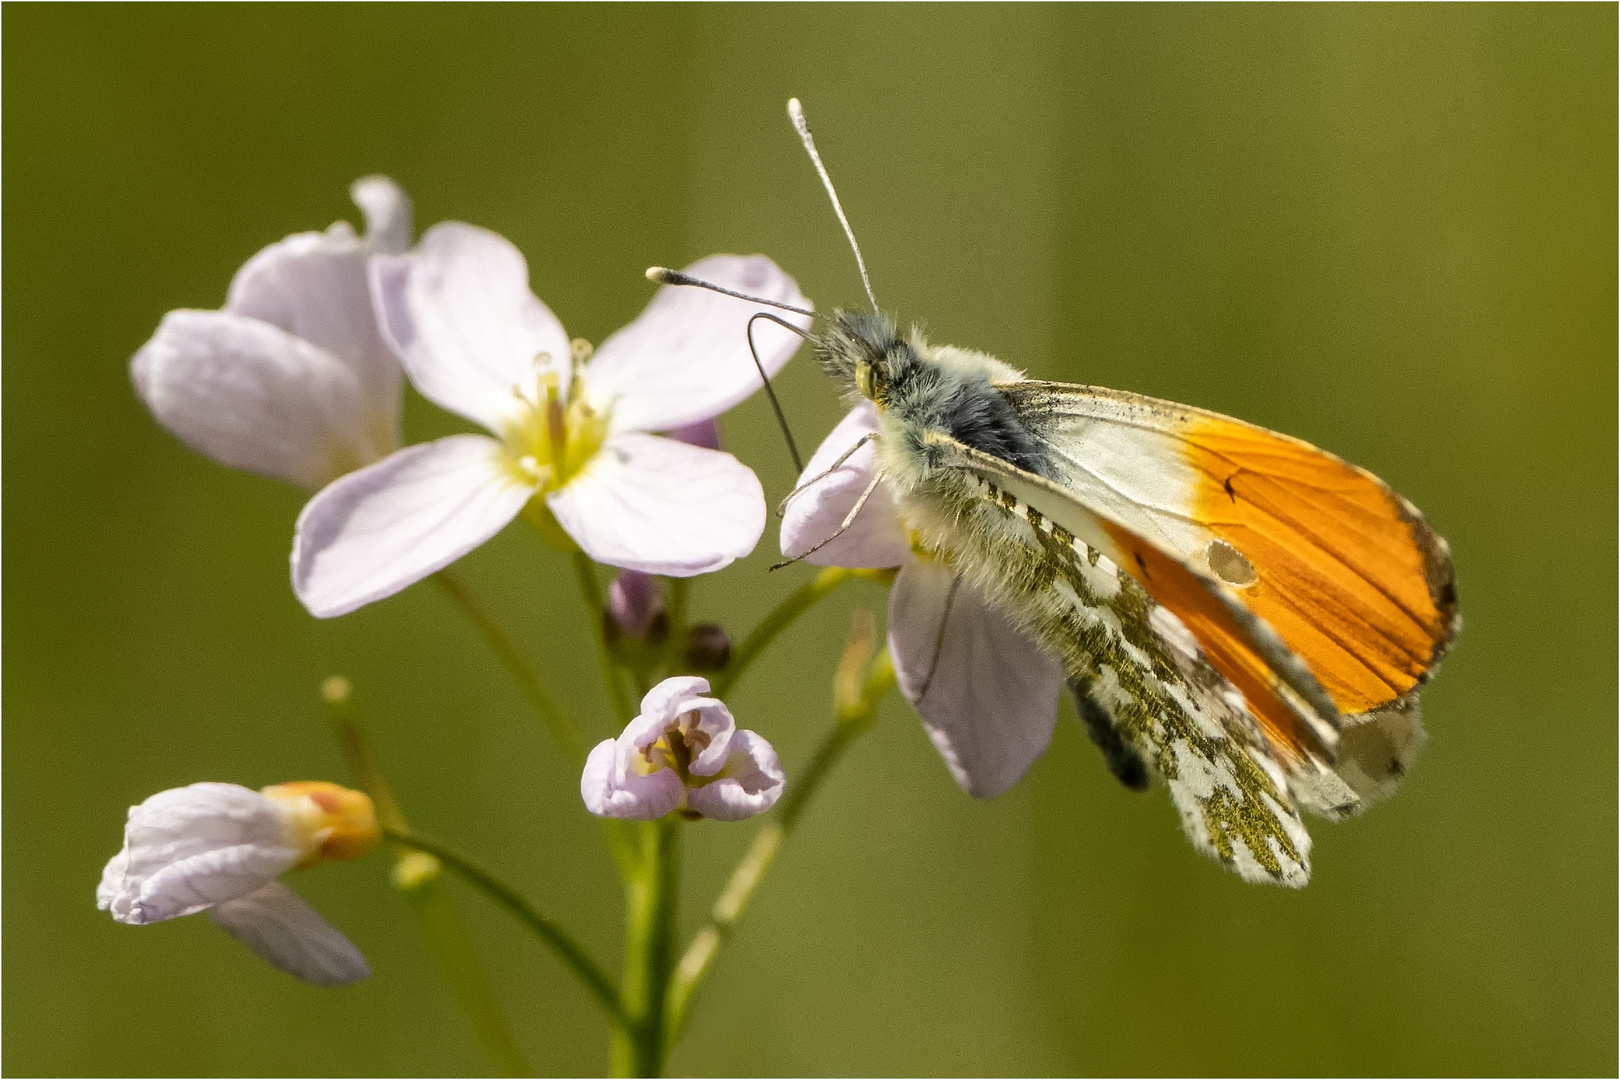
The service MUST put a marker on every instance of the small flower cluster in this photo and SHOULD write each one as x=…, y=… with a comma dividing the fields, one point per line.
x=611, y=452
x=299, y=378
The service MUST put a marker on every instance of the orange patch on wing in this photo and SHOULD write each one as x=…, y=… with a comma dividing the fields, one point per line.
x=1356, y=585
x=1226, y=645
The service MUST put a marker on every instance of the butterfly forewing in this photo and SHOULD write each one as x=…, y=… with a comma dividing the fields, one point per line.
x=1346, y=572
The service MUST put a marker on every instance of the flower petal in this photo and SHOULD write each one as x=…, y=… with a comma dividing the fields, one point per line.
x=313, y=285
x=459, y=315
x=373, y=532
x=388, y=213
x=291, y=936
x=612, y=790
x=661, y=704
x=252, y=396
x=715, y=721
x=188, y=848
x=662, y=507
x=986, y=693
x=750, y=783
x=685, y=358
x=876, y=538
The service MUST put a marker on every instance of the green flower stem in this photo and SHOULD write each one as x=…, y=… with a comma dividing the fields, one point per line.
x=562, y=727
x=854, y=713
x=652, y=897
x=425, y=891
x=572, y=954
x=781, y=617
x=591, y=589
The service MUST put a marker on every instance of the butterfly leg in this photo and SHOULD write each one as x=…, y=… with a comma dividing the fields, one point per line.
x=849, y=519
x=1121, y=758
x=781, y=507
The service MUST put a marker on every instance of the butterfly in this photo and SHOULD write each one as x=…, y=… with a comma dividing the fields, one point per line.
x=1236, y=611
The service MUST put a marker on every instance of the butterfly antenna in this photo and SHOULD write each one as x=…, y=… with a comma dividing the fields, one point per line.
x=776, y=406
x=663, y=275
x=802, y=126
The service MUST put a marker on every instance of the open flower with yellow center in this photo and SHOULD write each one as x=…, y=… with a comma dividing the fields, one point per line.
x=568, y=444
x=684, y=753
x=986, y=692
x=221, y=848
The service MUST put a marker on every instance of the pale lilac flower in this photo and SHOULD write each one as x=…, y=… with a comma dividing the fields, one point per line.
x=568, y=443
x=986, y=693
x=221, y=848
x=683, y=752
x=290, y=379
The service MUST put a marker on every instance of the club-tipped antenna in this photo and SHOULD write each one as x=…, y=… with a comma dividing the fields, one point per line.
x=802, y=126
x=663, y=275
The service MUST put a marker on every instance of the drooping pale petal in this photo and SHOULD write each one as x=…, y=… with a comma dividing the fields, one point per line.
x=875, y=539
x=373, y=532
x=987, y=695
x=750, y=781
x=685, y=358
x=291, y=936
x=252, y=396
x=188, y=848
x=459, y=315
x=388, y=213
x=661, y=506
x=612, y=787
x=313, y=285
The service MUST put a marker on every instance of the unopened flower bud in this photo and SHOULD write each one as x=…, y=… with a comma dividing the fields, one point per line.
x=707, y=647
x=635, y=607
x=413, y=870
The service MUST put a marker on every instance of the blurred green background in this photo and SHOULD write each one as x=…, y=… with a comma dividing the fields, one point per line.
x=1389, y=230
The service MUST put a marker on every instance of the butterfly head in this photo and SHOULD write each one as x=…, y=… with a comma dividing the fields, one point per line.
x=862, y=353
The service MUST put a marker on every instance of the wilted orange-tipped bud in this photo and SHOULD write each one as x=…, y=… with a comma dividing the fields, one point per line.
x=327, y=820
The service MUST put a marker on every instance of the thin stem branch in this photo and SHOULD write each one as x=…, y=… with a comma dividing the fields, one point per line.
x=652, y=900
x=591, y=589
x=422, y=888
x=779, y=619
x=854, y=713
x=562, y=727
x=436, y=911
x=572, y=954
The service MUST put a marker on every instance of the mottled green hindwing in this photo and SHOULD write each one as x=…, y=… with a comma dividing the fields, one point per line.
x=1133, y=658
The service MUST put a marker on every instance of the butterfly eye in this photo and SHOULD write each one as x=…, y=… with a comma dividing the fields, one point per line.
x=863, y=378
